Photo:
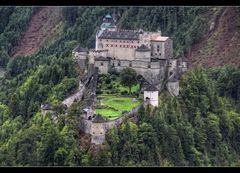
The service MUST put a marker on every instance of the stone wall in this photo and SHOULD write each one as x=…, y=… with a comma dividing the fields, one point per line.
x=99, y=130
x=173, y=88
x=103, y=66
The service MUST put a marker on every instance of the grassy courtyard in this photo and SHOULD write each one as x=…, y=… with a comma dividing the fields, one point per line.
x=112, y=106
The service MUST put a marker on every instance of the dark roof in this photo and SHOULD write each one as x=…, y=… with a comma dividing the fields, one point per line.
x=143, y=48
x=79, y=49
x=101, y=58
x=151, y=88
x=47, y=106
x=99, y=119
x=122, y=34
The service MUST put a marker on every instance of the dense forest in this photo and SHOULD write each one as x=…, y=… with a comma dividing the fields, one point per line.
x=201, y=127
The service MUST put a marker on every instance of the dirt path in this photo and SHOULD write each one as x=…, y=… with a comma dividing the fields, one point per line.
x=222, y=44
x=41, y=27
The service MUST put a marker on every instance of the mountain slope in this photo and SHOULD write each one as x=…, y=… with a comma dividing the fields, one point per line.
x=41, y=27
x=221, y=44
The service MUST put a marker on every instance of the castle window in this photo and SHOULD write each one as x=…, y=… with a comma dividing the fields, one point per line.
x=127, y=41
x=127, y=46
x=120, y=41
x=116, y=45
x=119, y=63
x=101, y=63
x=149, y=65
x=123, y=45
x=120, y=45
x=106, y=45
x=123, y=41
x=138, y=41
x=113, y=65
x=111, y=45
x=132, y=41
x=157, y=50
x=107, y=40
x=131, y=46
x=158, y=46
x=100, y=39
x=135, y=46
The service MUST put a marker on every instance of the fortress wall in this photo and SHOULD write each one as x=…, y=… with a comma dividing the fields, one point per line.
x=103, y=66
x=173, y=88
x=168, y=51
x=143, y=56
x=97, y=139
x=155, y=65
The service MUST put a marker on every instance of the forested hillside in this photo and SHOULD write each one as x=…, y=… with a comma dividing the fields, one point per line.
x=200, y=127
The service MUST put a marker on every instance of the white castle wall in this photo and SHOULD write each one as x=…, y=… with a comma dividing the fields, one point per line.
x=153, y=96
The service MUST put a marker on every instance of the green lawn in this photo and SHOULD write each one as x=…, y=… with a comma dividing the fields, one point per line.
x=116, y=104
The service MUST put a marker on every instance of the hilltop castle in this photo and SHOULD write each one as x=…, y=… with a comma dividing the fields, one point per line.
x=149, y=53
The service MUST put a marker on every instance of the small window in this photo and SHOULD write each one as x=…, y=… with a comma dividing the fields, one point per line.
x=123, y=45
x=127, y=46
x=132, y=41
x=123, y=41
x=119, y=63
x=111, y=45
x=93, y=132
x=120, y=41
x=113, y=65
x=107, y=40
x=135, y=46
x=100, y=39
x=101, y=133
x=116, y=45
x=158, y=46
x=101, y=63
x=127, y=41
x=120, y=46
x=157, y=50
x=138, y=41
x=106, y=45
x=130, y=64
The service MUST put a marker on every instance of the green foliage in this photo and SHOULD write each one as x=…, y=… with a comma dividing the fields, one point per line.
x=199, y=128
x=128, y=78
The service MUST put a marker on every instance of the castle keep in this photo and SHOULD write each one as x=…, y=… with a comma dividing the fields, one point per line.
x=148, y=53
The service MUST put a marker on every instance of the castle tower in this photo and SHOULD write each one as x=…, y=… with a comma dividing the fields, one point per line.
x=151, y=95
x=108, y=23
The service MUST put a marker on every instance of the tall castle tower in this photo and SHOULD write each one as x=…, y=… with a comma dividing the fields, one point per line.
x=107, y=25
